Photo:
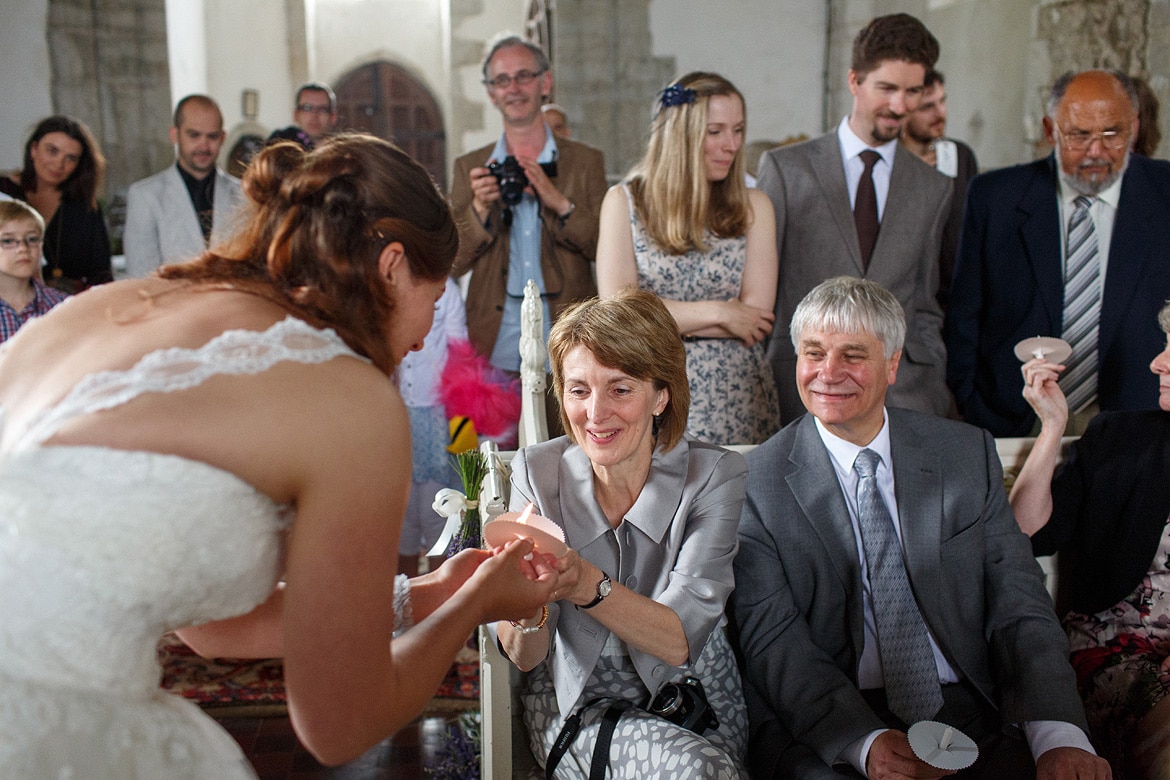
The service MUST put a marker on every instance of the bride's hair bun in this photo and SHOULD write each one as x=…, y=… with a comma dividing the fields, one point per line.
x=270, y=169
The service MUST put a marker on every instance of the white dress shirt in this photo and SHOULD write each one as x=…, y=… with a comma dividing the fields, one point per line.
x=851, y=148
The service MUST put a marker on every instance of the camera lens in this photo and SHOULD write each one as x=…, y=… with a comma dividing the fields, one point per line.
x=668, y=700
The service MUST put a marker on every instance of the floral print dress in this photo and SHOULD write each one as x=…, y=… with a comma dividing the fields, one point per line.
x=733, y=394
x=1118, y=656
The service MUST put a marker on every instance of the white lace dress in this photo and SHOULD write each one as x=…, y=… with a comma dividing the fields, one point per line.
x=102, y=550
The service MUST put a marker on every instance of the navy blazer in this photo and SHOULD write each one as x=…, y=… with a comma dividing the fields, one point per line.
x=1009, y=286
x=1108, y=507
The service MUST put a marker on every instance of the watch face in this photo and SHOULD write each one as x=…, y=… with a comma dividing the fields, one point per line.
x=604, y=587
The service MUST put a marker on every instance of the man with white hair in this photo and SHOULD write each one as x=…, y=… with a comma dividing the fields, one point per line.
x=1075, y=246
x=881, y=579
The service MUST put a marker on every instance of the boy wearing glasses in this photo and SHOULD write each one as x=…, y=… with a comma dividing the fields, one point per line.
x=22, y=295
x=531, y=215
x=1073, y=246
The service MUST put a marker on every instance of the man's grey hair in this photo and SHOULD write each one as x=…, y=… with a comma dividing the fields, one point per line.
x=507, y=40
x=846, y=304
x=1060, y=86
x=1164, y=318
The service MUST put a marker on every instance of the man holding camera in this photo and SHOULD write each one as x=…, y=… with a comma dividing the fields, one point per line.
x=527, y=208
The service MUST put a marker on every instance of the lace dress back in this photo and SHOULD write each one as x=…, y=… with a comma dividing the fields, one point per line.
x=103, y=550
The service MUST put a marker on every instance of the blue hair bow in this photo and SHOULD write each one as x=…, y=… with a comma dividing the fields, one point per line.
x=676, y=95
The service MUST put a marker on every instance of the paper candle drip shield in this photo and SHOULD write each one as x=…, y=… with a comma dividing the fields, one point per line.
x=547, y=535
x=942, y=746
x=1051, y=349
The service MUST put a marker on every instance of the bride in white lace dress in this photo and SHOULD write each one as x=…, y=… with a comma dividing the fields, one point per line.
x=172, y=447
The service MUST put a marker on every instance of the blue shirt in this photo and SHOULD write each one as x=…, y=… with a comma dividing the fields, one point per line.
x=523, y=262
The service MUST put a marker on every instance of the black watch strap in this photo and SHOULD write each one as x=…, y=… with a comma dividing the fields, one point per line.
x=603, y=588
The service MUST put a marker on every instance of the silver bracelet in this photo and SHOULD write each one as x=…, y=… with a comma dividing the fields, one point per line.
x=403, y=613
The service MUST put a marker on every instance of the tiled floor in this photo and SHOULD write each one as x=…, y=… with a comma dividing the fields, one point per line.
x=274, y=751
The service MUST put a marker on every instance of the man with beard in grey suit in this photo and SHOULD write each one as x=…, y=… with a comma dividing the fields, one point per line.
x=855, y=202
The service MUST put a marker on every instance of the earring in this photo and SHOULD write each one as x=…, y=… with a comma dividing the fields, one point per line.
x=656, y=424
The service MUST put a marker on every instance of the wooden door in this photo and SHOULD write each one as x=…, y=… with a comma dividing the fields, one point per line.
x=387, y=101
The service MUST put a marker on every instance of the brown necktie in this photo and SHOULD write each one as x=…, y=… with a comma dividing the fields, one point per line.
x=865, y=211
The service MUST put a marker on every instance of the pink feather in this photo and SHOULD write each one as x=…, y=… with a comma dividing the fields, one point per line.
x=471, y=387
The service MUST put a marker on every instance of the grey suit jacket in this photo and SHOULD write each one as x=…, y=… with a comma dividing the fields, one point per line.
x=675, y=546
x=817, y=239
x=161, y=223
x=798, y=600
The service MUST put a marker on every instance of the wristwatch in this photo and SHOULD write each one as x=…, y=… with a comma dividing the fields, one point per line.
x=603, y=589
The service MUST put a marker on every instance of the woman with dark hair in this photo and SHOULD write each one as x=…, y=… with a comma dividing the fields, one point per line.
x=63, y=170
x=650, y=517
x=174, y=447
x=684, y=226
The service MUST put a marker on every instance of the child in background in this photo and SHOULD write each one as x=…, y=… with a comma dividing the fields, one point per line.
x=22, y=295
x=418, y=380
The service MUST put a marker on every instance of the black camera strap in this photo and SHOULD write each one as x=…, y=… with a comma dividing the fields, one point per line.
x=609, y=721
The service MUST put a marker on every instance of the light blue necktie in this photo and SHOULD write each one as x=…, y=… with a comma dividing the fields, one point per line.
x=912, y=687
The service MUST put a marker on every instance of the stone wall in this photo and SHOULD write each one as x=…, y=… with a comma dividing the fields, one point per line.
x=109, y=69
x=607, y=76
x=1132, y=36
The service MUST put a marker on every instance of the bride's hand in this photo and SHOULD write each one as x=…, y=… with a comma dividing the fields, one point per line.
x=514, y=583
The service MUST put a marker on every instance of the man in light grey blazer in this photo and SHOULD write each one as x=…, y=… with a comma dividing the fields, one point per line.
x=820, y=668
x=177, y=213
x=814, y=188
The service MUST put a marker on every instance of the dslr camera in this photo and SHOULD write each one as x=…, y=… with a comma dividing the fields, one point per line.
x=512, y=180
x=685, y=704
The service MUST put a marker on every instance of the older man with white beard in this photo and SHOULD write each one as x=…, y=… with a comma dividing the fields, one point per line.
x=1075, y=246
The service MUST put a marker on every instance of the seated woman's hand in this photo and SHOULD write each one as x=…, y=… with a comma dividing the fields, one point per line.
x=578, y=578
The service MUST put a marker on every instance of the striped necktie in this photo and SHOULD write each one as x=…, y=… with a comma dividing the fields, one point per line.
x=1082, y=307
x=911, y=676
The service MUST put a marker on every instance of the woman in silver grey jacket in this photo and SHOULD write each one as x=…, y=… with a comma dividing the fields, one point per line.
x=650, y=519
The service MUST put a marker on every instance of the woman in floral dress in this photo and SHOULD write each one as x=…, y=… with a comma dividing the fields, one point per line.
x=685, y=226
x=1106, y=513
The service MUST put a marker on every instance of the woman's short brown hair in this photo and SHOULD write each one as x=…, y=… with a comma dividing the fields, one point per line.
x=634, y=333
x=318, y=224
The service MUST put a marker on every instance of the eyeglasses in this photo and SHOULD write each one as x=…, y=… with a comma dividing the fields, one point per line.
x=1080, y=140
x=32, y=242
x=309, y=108
x=522, y=79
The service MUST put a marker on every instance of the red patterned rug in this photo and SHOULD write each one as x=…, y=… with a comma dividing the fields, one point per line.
x=257, y=687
